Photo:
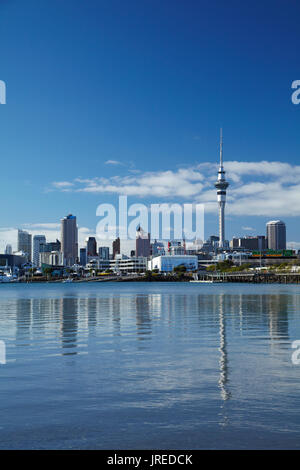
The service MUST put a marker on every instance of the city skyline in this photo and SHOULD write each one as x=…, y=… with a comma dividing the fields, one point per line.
x=31, y=246
x=221, y=186
x=127, y=246
x=96, y=110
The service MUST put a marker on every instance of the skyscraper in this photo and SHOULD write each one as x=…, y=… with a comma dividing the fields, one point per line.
x=91, y=246
x=276, y=235
x=24, y=243
x=142, y=243
x=82, y=257
x=116, y=247
x=38, y=240
x=69, y=240
x=221, y=186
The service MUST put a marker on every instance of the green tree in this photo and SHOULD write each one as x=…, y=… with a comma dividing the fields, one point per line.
x=179, y=269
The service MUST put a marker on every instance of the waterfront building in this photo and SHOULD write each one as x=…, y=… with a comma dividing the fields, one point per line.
x=276, y=235
x=13, y=261
x=116, y=247
x=98, y=264
x=221, y=186
x=123, y=263
x=103, y=264
x=24, y=243
x=169, y=262
x=69, y=240
x=142, y=243
x=91, y=246
x=38, y=240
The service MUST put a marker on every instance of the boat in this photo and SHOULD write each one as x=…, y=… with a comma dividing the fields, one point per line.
x=68, y=280
x=5, y=277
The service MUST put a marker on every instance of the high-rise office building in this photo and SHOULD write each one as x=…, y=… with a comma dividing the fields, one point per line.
x=82, y=256
x=142, y=243
x=69, y=240
x=91, y=246
x=38, y=240
x=103, y=252
x=116, y=247
x=24, y=243
x=276, y=235
x=221, y=186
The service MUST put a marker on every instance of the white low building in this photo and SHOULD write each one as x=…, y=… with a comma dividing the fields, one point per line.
x=53, y=258
x=167, y=264
x=129, y=265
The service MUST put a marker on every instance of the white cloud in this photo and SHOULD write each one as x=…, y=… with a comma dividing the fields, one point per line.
x=62, y=184
x=293, y=245
x=84, y=230
x=270, y=189
x=113, y=162
x=50, y=226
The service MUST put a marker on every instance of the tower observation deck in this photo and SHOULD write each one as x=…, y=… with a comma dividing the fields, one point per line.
x=221, y=185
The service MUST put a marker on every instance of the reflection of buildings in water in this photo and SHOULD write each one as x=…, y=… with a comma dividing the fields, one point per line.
x=223, y=362
x=68, y=307
x=155, y=301
x=169, y=309
x=240, y=310
x=35, y=315
x=277, y=311
x=90, y=311
x=23, y=318
x=115, y=311
x=185, y=306
x=277, y=308
x=264, y=312
x=143, y=316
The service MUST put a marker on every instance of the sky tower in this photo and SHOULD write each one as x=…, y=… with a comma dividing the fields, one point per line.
x=221, y=186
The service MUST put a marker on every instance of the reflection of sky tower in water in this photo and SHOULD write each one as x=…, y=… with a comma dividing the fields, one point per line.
x=221, y=186
x=223, y=362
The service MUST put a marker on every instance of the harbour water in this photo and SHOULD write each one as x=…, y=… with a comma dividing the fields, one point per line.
x=149, y=366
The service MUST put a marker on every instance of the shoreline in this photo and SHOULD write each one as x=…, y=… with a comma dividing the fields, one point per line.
x=220, y=278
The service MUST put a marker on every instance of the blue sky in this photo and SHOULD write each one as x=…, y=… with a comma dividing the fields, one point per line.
x=121, y=92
